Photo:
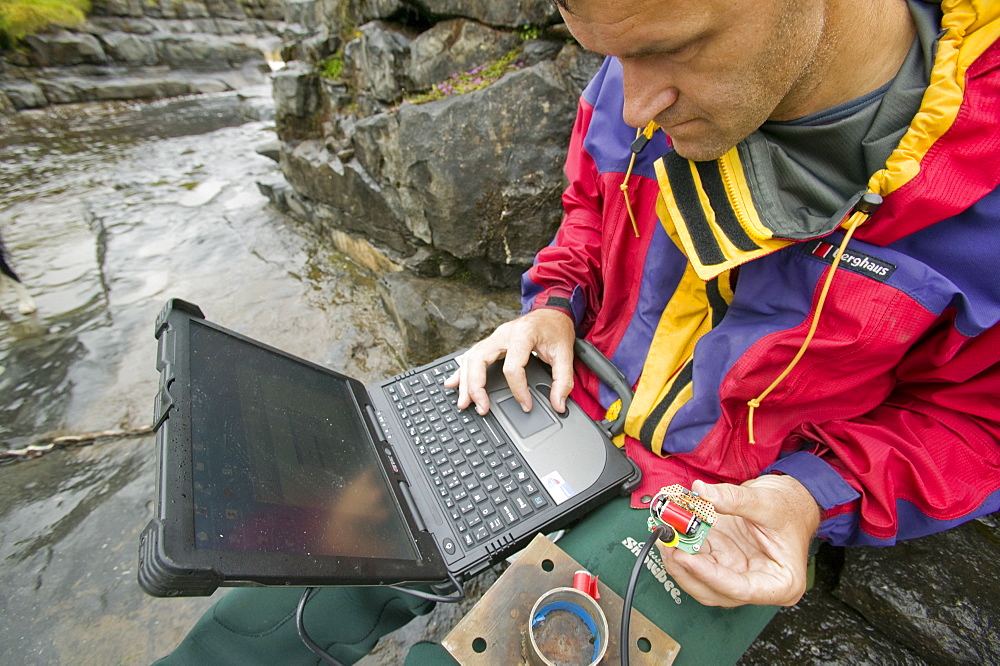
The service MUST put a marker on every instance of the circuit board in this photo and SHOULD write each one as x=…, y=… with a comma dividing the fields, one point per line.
x=688, y=517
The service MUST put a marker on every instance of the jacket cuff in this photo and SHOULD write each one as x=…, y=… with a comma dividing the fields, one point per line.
x=575, y=305
x=827, y=487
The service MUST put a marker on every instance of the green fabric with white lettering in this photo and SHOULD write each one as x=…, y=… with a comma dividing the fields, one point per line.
x=607, y=543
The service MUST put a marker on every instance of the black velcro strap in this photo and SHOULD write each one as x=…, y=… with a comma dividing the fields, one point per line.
x=725, y=216
x=559, y=302
x=686, y=196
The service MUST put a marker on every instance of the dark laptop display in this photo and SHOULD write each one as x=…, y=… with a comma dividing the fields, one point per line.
x=277, y=471
x=290, y=470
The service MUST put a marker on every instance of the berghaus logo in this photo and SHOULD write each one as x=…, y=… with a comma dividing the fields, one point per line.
x=858, y=262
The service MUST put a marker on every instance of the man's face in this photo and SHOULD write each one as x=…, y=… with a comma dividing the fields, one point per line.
x=708, y=72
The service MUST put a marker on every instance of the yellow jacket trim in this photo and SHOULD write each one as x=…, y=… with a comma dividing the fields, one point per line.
x=970, y=27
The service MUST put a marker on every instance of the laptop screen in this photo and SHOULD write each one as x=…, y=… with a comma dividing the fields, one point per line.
x=281, y=459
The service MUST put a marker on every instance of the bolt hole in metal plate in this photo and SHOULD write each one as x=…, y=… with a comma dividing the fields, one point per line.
x=495, y=631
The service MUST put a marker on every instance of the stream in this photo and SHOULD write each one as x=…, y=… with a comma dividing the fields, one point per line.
x=108, y=210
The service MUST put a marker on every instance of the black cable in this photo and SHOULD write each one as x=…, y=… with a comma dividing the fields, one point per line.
x=623, y=641
x=435, y=597
x=325, y=656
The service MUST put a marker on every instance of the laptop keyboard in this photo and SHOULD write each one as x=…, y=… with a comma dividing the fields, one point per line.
x=481, y=479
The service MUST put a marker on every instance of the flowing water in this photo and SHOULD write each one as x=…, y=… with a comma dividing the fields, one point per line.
x=108, y=210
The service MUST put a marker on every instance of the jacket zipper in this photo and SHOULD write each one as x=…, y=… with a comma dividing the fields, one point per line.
x=726, y=171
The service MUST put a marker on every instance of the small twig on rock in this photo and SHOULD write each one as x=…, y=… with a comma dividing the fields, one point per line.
x=44, y=446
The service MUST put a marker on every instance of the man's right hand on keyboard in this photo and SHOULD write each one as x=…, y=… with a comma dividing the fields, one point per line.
x=548, y=332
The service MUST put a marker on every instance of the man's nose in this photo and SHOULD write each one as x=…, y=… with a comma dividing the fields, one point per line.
x=647, y=92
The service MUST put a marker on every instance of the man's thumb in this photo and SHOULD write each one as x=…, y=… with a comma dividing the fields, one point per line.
x=727, y=498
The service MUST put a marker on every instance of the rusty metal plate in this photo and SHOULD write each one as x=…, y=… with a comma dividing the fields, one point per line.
x=494, y=631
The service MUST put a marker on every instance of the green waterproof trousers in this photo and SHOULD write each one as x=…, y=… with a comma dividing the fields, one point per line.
x=257, y=625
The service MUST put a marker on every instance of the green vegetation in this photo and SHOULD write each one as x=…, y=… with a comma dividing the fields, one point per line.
x=20, y=18
x=332, y=67
x=471, y=81
x=529, y=31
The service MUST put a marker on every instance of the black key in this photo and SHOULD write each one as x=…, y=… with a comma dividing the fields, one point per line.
x=509, y=515
x=523, y=505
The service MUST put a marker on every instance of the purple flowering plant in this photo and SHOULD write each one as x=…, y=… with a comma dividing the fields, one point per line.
x=470, y=81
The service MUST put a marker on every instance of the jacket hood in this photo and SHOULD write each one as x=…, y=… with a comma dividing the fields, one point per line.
x=722, y=219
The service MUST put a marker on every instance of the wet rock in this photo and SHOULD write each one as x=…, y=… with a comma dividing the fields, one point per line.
x=117, y=8
x=376, y=62
x=454, y=46
x=77, y=89
x=477, y=175
x=6, y=106
x=25, y=95
x=507, y=14
x=129, y=48
x=578, y=65
x=203, y=52
x=306, y=13
x=821, y=630
x=124, y=39
x=65, y=48
x=191, y=9
x=437, y=316
x=936, y=595
x=231, y=9
x=354, y=202
x=296, y=101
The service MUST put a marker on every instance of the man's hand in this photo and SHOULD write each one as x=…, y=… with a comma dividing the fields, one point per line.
x=546, y=331
x=758, y=550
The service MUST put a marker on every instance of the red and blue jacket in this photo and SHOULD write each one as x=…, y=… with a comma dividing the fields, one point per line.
x=873, y=379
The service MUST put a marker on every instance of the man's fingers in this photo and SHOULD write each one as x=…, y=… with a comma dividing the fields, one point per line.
x=562, y=377
x=518, y=354
x=472, y=373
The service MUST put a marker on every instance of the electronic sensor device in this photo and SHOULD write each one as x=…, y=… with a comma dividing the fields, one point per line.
x=687, y=516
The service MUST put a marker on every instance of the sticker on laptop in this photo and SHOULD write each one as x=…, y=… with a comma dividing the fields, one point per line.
x=559, y=490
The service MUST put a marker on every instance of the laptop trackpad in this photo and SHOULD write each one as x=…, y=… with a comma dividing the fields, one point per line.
x=525, y=423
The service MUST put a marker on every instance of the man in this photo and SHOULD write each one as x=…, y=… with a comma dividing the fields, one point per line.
x=811, y=361
x=854, y=434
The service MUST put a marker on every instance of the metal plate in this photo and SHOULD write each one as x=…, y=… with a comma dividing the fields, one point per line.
x=494, y=631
